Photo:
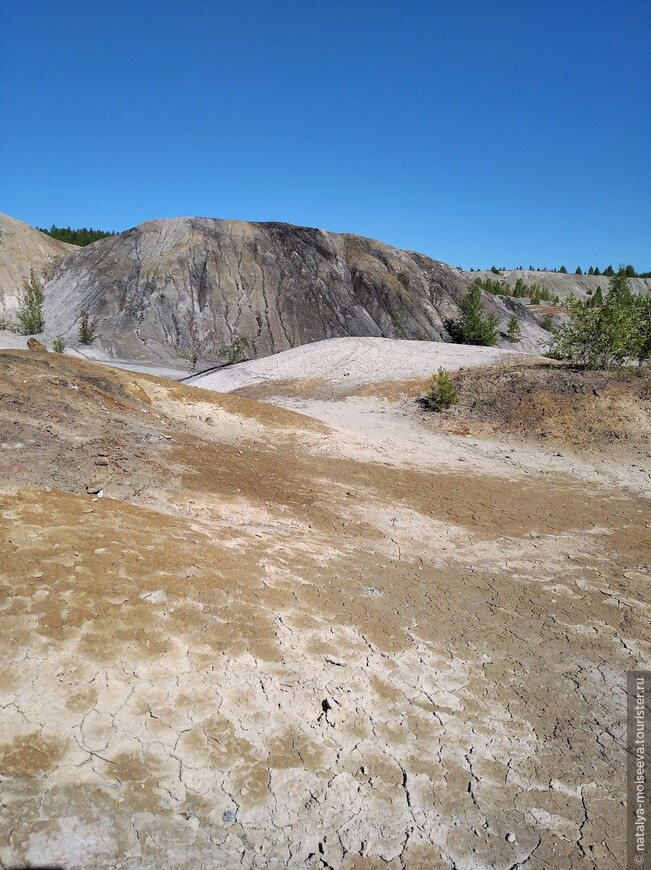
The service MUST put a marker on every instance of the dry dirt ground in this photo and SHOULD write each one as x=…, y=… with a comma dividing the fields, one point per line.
x=381, y=638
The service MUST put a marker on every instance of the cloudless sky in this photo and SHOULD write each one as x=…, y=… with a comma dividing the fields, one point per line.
x=475, y=131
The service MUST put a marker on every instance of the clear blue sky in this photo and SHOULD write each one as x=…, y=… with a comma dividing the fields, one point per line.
x=475, y=131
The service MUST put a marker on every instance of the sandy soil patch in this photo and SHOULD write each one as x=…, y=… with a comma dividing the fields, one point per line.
x=271, y=644
x=353, y=362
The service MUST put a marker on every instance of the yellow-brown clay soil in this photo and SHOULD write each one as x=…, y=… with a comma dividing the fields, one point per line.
x=275, y=643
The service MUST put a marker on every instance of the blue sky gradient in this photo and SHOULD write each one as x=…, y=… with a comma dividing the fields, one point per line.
x=476, y=132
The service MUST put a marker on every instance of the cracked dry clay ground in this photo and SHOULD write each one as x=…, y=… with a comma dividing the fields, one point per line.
x=264, y=649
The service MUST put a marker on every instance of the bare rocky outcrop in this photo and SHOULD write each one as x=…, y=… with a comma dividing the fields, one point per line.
x=186, y=286
x=23, y=248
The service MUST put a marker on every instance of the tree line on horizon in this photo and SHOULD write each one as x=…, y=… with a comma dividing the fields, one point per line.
x=609, y=271
x=81, y=237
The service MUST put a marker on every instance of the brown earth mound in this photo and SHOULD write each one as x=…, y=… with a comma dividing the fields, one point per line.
x=582, y=410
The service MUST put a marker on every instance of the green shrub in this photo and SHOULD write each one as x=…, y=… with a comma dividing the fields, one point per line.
x=236, y=351
x=7, y=323
x=58, y=345
x=442, y=394
x=30, y=311
x=191, y=357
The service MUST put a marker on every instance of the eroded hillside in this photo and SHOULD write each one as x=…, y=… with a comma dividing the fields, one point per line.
x=23, y=248
x=171, y=289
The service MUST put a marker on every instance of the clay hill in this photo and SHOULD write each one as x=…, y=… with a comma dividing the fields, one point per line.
x=192, y=285
x=23, y=248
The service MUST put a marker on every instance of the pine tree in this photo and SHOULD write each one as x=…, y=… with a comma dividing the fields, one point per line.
x=86, y=328
x=563, y=269
x=474, y=326
x=513, y=332
x=442, y=393
x=578, y=271
x=30, y=312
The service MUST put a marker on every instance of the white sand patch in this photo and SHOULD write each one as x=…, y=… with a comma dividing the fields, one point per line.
x=353, y=361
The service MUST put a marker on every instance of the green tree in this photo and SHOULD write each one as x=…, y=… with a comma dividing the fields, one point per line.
x=58, y=345
x=642, y=337
x=578, y=271
x=513, y=330
x=607, y=332
x=399, y=321
x=597, y=298
x=590, y=271
x=442, y=393
x=563, y=269
x=474, y=326
x=609, y=271
x=86, y=328
x=30, y=311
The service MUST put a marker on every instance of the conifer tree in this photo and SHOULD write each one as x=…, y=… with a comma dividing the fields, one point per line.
x=513, y=331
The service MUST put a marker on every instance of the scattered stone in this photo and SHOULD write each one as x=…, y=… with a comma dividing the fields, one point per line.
x=33, y=344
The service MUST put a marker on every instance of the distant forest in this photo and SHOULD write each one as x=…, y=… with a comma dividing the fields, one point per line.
x=81, y=237
x=629, y=271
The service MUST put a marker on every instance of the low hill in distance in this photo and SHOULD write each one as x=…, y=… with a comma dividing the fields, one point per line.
x=558, y=283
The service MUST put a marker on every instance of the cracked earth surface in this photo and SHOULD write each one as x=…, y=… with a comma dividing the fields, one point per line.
x=275, y=644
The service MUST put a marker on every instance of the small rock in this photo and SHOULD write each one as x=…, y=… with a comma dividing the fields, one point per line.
x=510, y=837
x=102, y=461
x=33, y=344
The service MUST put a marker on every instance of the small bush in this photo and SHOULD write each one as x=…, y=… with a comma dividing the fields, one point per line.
x=236, y=351
x=86, y=328
x=30, y=312
x=7, y=323
x=191, y=357
x=442, y=394
x=58, y=345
